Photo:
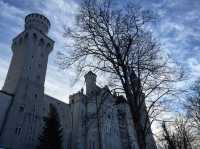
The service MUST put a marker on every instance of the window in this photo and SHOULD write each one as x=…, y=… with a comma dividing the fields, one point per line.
x=41, y=43
x=18, y=131
x=36, y=96
x=34, y=36
x=40, y=65
x=21, y=108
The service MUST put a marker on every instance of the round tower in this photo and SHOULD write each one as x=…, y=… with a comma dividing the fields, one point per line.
x=38, y=22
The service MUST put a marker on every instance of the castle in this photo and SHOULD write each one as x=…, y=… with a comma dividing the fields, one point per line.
x=92, y=120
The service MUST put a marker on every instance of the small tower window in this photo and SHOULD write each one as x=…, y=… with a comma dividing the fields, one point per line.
x=34, y=36
x=21, y=108
x=36, y=96
x=41, y=43
x=40, y=65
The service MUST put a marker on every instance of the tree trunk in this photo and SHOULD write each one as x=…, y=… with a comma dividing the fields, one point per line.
x=140, y=133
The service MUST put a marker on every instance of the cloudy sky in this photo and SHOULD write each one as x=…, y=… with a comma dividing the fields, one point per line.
x=178, y=31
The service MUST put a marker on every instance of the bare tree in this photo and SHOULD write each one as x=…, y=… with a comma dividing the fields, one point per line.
x=193, y=105
x=180, y=136
x=114, y=40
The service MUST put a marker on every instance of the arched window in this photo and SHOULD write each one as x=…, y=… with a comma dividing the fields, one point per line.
x=21, y=108
x=41, y=43
x=34, y=36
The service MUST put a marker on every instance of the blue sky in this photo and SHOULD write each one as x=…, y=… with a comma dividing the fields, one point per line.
x=178, y=31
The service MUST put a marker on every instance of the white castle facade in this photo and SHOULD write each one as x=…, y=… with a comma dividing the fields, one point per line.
x=92, y=120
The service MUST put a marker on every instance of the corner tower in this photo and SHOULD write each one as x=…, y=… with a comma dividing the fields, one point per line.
x=30, y=54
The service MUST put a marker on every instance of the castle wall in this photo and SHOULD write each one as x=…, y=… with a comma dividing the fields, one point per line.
x=78, y=113
x=110, y=124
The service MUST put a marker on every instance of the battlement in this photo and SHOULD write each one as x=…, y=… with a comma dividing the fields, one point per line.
x=38, y=22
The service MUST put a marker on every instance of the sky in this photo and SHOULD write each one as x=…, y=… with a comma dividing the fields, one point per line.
x=177, y=30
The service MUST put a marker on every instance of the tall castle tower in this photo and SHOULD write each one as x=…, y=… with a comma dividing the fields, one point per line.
x=30, y=54
x=25, y=81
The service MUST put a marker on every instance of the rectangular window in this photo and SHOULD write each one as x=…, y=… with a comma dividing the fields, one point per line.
x=18, y=131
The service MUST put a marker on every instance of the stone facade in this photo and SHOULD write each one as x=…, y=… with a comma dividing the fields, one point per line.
x=93, y=120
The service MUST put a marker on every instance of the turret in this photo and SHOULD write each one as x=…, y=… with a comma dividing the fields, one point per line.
x=90, y=80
